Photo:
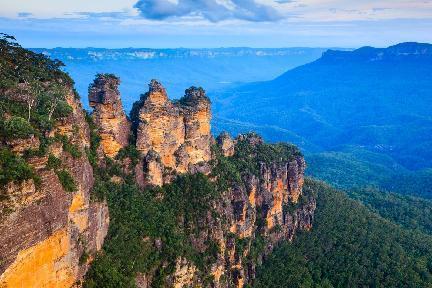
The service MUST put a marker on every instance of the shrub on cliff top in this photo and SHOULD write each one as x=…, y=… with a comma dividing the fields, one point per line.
x=32, y=85
x=251, y=151
x=19, y=65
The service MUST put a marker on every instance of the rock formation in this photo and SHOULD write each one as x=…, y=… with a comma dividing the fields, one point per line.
x=108, y=114
x=226, y=144
x=176, y=134
x=253, y=216
x=45, y=231
x=262, y=206
x=49, y=232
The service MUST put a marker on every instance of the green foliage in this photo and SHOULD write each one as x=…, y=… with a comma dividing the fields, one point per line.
x=417, y=183
x=83, y=258
x=138, y=218
x=351, y=167
x=53, y=162
x=241, y=245
x=104, y=274
x=107, y=75
x=349, y=246
x=356, y=170
x=62, y=110
x=286, y=267
x=248, y=156
x=130, y=152
x=66, y=180
x=94, y=141
x=14, y=168
x=16, y=127
x=18, y=65
x=171, y=216
x=356, y=167
x=34, y=89
x=410, y=212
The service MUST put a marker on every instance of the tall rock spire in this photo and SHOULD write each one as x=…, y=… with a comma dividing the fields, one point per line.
x=108, y=113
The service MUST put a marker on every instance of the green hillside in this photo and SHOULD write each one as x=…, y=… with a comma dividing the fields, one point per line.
x=349, y=246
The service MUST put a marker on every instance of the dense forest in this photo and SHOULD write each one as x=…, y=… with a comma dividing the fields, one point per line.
x=350, y=246
x=357, y=167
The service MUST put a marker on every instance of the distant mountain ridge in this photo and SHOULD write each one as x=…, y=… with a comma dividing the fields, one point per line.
x=152, y=53
x=377, y=99
x=368, y=53
x=179, y=68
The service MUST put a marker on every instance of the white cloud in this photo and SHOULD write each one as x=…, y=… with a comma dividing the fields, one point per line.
x=221, y=10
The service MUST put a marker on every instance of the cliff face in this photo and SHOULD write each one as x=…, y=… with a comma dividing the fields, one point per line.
x=45, y=231
x=252, y=196
x=173, y=137
x=108, y=114
x=258, y=212
x=254, y=213
x=226, y=144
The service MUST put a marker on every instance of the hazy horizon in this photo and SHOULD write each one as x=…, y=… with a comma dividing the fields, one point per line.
x=216, y=23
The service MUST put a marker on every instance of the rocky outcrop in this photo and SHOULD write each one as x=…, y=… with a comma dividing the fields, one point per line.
x=264, y=206
x=48, y=232
x=252, y=217
x=108, y=114
x=226, y=144
x=55, y=234
x=177, y=134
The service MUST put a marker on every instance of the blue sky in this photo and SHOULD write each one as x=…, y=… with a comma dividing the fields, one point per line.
x=216, y=23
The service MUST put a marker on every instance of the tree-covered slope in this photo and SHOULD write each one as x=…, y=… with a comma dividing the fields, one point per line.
x=354, y=167
x=409, y=212
x=349, y=246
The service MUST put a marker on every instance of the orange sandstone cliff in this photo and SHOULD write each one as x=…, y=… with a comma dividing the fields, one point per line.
x=173, y=137
x=49, y=236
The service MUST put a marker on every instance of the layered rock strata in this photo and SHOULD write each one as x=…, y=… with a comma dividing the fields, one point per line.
x=48, y=236
x=226, y=144
x=251, y=217
x=54, y=234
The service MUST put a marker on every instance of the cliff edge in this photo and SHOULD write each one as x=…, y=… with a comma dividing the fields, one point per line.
x=184, y=209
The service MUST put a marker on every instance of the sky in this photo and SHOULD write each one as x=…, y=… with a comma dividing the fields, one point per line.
x=216, y=23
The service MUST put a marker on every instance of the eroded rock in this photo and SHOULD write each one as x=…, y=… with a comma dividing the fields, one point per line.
x=108, y=114
x=177, y=133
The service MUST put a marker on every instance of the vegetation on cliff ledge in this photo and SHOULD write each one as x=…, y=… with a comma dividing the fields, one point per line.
x=151, y=227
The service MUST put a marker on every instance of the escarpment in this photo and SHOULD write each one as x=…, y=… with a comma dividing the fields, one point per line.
x=249, y=202
x=185, y=210
x=259, y=210
x=49, y=227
